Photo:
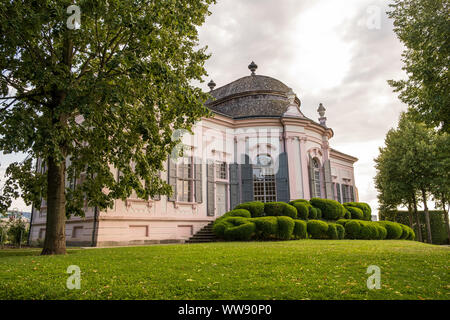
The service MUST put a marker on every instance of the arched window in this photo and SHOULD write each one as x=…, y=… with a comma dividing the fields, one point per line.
x=264, y=179
x=316, y=178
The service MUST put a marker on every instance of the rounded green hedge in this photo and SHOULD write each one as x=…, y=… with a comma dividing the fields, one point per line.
x=330, y=209
x=347, y=214
x=256, y=208
x=312, y=213
x=266, y=227
x=394, y=230
x=319, y=213
x=221, y=225
x=280, y=209
x=302, y=210
x=352, y=229
x=341, y=231
x=285, y=227
x=300, y=229
x=332, y=231
x=367, y=211
x=317, y=229
x=355, y=213
x=241, y=232
x=238, y=213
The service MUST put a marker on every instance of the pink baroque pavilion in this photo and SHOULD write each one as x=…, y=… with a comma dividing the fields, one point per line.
x=257, y=146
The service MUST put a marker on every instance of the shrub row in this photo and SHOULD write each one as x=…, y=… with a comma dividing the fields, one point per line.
x=314, y=209
x=375, y=230
x=318, y=229
x=234, y=227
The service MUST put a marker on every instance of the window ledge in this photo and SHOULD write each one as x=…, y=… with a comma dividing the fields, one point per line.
x=177, y=204
x=130, y=201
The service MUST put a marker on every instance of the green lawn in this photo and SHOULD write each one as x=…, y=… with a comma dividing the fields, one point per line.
x=304, y=269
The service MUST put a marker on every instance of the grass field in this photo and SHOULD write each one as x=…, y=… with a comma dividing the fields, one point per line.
x=305, y=269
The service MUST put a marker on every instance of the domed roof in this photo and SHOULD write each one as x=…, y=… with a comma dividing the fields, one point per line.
x=251, y=96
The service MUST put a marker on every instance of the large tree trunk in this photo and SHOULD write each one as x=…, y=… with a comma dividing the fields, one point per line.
x=418, y=226
x=55, y=235
x=427, y=216
x=410, y=216
x=446, y=219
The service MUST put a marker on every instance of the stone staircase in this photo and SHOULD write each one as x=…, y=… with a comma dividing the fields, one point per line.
x=203, y=235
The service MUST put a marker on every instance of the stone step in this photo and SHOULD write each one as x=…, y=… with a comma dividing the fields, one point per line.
x=204, y=235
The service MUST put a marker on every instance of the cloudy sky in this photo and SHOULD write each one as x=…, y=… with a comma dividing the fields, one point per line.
x=338, y=52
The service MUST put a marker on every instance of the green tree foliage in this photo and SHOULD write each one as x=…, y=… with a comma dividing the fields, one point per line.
x=406, y=166
x=423, y=27
x=108, y=94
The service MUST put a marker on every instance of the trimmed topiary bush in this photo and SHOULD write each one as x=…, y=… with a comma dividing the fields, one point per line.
x=367, y=211
x=285, y=227
x=317, y=229
x=280, y=209
x=266, y=227
x=405, y=232
x=332, y=231
x=330, y=209
x=347, y=214
x=352, y=229
x=412, y=234
x=355, y=213
x=394, y=230
x=312, y=213
x=319, y=213
x=367, y=231
x=241, y=232
x=302, y=210
x=238, y=213
x=256, y=208
x=382, y=232
x=341, y=231
x=300, y=229
x=224, y=223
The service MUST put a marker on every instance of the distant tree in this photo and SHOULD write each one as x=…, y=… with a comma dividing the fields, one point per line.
x=107, y=93
x=440, y=188
x=393, y=182
x=405, y=166
x=423, y=27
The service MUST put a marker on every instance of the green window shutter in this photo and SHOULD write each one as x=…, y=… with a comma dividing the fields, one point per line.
x=234, y=185
x=344, y=193
x=338, y=192
x=210, y=192
x=198, y=180
x=352, y=194
x=328, y=180
x=282, y=178
x=172, y=178
x=247, y=180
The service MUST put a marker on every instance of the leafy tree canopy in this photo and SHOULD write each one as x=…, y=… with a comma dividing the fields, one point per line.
x=423, y=27
x=107, y=94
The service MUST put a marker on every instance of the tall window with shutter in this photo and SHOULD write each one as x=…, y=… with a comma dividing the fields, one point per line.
x=338, y=193
x=264, y=179
x=314, y=177
x=185, y=178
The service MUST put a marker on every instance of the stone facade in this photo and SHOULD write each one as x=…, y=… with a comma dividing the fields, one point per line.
x=257, y=146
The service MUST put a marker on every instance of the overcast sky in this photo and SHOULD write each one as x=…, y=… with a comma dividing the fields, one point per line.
x=338, y=52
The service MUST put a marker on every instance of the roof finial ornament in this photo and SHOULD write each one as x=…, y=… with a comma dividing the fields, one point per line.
x=322, y=120
x=211, y=85
x=253, y=66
